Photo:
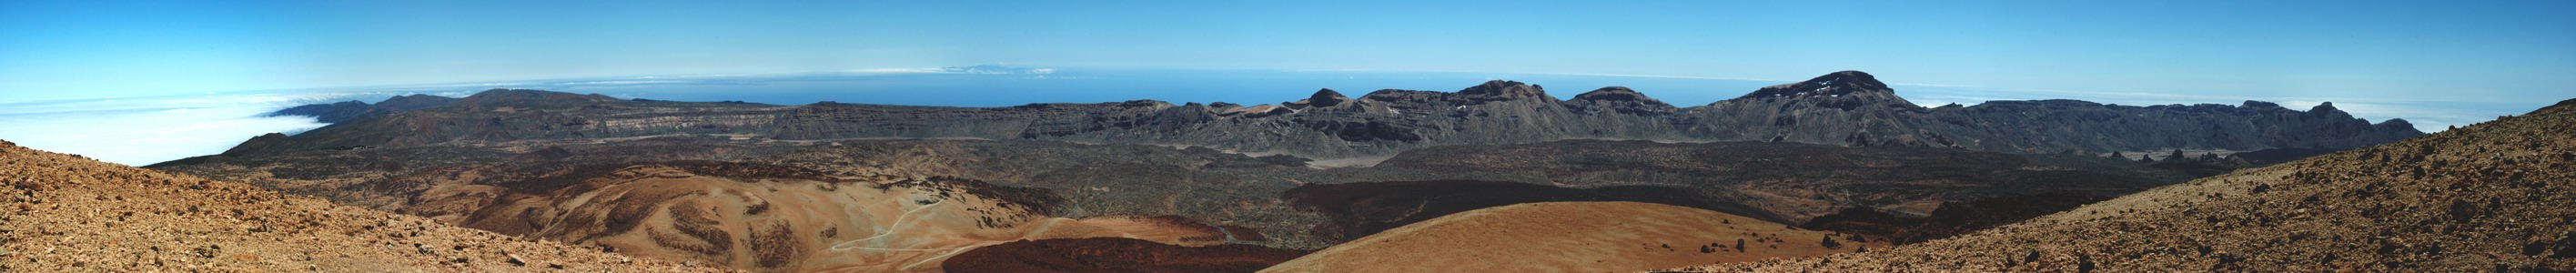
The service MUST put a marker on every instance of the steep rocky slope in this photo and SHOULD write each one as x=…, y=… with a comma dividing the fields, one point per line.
x=1571, y=237
x=2486, y=197
x=1843, y=108
x=64, y=213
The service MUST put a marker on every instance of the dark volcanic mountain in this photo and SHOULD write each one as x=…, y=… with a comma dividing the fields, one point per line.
x=349, y=110
x=1843, y=108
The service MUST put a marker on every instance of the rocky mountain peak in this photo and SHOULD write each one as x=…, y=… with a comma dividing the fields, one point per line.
x=347, y=110
x=2396, y=124
x=1620, y=99
x=1503, y=88
x=414, y=102
x=1850, y=76
x=529, y=96
x=1614, y=93
x=1322, y=98
x=2327, y=111
x=532, y=94
x=1847, y=82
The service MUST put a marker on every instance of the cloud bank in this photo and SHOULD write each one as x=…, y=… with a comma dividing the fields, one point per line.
x=141, y=131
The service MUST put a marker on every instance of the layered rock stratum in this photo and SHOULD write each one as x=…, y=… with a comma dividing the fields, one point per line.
x=2486, y=197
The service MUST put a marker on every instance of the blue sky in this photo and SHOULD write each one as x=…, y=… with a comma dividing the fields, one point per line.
x=2502, y=51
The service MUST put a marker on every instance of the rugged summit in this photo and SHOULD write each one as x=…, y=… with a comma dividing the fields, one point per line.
x=525, y=97
x=1322, y=98
x=1619, y=100
x=1503, y=89
x=1845, y=83
x=1843, y=108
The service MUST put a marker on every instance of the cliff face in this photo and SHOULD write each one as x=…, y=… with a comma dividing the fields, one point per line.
x=1843, y=108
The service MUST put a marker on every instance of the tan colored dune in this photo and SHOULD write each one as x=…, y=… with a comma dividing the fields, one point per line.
x=1567, y=237
x=62, y=213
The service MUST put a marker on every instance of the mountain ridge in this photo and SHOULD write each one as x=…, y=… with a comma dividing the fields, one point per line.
x=1843, y=108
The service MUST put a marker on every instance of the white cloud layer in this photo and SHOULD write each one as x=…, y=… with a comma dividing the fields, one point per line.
x=140, y=131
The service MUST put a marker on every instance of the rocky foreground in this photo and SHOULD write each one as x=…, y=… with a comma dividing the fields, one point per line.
x=2488, y=197
x=64, y=213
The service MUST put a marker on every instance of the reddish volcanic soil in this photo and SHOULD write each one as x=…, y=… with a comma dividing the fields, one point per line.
x=1116, y=255
x=1363, y=208
x=63, y=213
x=1572, y=237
